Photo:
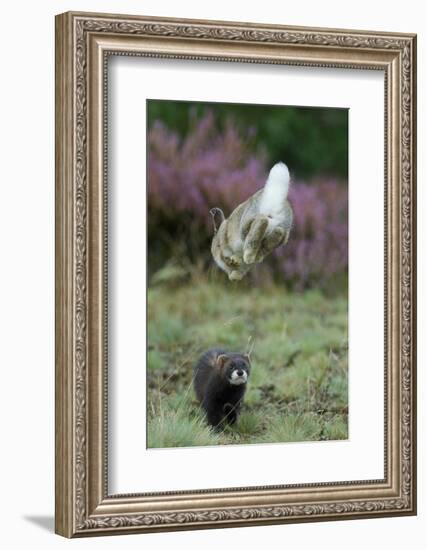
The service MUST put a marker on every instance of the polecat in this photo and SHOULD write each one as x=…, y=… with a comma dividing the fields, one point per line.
x=220, y=379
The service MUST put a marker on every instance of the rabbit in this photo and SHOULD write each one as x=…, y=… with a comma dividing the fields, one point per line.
x=254, y=228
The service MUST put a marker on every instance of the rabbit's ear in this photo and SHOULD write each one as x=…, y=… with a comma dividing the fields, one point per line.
x=217, y=217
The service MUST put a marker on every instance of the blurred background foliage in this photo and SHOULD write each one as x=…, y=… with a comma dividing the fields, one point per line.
x=314, y=141
x=204, y=155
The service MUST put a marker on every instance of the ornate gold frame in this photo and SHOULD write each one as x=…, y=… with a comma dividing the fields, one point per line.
x=83, y=42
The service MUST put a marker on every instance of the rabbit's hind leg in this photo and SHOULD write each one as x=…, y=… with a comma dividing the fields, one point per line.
x=278, y=236
x=254, y=238
x=273, y=240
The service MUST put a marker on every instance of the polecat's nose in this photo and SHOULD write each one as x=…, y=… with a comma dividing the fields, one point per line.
x=240, y=372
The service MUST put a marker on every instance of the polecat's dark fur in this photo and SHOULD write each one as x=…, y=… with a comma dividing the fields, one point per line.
x=220, y=379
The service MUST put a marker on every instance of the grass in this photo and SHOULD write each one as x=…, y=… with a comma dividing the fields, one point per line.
x=298, y=386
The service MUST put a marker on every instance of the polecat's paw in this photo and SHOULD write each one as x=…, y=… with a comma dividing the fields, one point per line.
x=235, y=276
x=249, y=256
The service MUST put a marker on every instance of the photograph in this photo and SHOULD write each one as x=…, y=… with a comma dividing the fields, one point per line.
x=247, y=273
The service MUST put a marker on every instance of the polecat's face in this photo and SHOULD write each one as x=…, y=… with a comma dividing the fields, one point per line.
x=237, y=371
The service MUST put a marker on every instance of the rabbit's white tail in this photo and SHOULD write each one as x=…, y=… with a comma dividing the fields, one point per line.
x=275, y=190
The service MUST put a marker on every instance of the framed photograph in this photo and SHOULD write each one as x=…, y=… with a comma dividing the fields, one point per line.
x=235, y=274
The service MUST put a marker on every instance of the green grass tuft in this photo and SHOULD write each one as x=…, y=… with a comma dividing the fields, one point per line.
x=173, y=430
x=336, y=428
x=295, y=427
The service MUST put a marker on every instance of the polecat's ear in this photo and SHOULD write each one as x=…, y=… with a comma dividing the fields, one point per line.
x=247, y=357
x=220, y=360
x=214, y=212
